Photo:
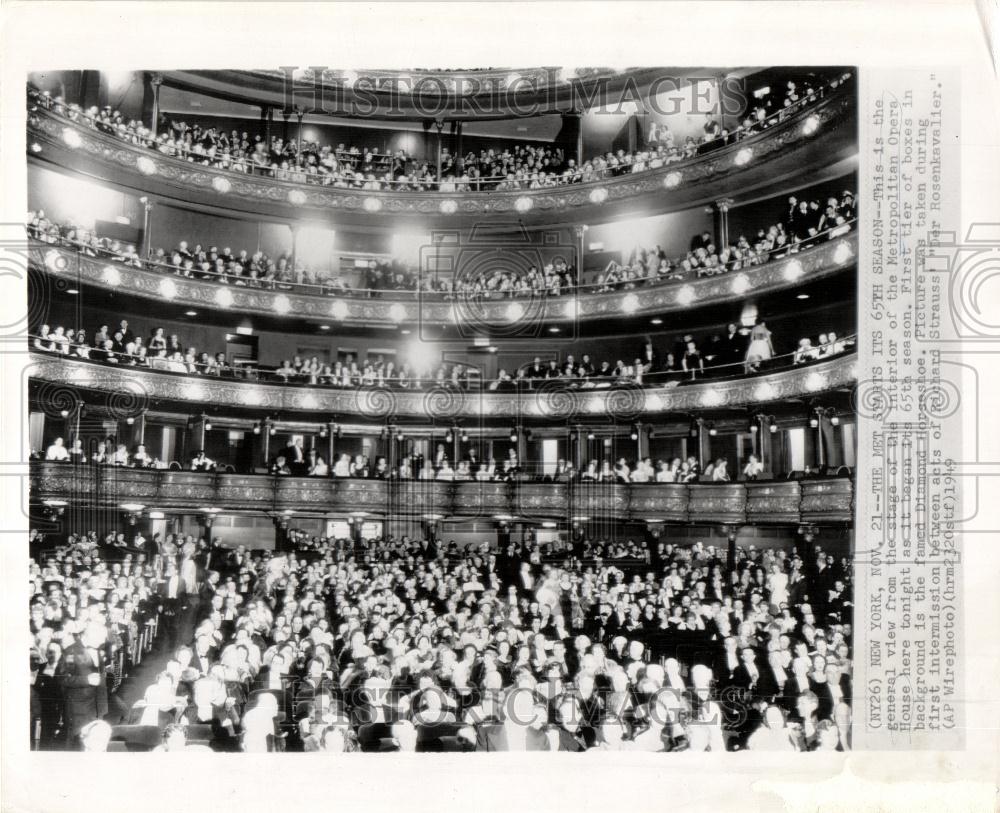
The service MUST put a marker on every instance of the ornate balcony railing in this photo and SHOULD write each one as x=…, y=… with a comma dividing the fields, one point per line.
x=821, y=500
x=821, y=261
x=551, y=401
x=817, y=136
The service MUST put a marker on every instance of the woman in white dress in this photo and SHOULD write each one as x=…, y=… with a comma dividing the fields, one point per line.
x=760, y=348
x=777, y=584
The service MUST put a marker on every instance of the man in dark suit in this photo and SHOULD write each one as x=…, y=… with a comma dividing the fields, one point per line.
x=650, y=359
x=127, y=334
x=536, y=370
x=296, y=458
x=173, y=596
x=204, y=655
x=759, y=682
x=735, y=345
x=82, y=672
x=703, y=240
x=727, y=665
x=427, y=549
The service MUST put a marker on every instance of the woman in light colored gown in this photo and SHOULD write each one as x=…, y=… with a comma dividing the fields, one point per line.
x=760, y=348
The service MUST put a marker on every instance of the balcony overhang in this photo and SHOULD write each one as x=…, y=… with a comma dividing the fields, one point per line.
x=491, y=316
x=764, y=164
x=562, y=404
x=827, y=500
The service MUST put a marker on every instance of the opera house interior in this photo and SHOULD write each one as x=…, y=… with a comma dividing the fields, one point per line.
x=475, y=410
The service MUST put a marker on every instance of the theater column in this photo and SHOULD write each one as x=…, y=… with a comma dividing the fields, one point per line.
x=456, y=130
x=90, y=89
x=427, y=124
x=138, y=427
x=146, y=240
x=765, y=443
x=266, y=432
x=198, y=434
x=720, y=219
x=151, y=101
x=439, y=126
x=579, y=448
x=731, y=534
x=641, y=441
x=294, y=228
x=71, y=428
x=704, y=445
x=580, y=232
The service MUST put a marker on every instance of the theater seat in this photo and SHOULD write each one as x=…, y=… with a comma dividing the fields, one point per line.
x=370, y=735
x=137, y=737
x=201, y=732
x=433, y=738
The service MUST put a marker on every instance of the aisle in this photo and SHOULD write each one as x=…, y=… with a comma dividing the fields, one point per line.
x=139, y=679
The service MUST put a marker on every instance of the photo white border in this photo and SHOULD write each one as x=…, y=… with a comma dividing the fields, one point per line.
x=173, y=35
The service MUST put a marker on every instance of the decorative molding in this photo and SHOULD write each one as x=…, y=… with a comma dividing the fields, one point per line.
x=826, y=500
x=382, y=404
x=718, y=502
x=773, y=501
x=809, y=265
x=144, y=169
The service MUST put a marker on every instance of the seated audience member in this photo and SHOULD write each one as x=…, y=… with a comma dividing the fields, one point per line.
x=565, y=644
x=753, y=469
x=57, y=451
x=201, y=462
x=280, y=467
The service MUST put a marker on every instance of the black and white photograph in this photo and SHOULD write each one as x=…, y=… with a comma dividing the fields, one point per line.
x=559, y=407
x=442, y=410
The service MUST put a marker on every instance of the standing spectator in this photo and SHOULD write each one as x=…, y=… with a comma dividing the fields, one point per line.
x=760, y=350
x=82, y=672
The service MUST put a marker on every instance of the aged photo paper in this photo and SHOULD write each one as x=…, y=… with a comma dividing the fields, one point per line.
x=385, y=397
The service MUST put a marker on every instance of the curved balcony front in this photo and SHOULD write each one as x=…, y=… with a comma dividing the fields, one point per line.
x=562, y=404
x=820, y=137
x=520, y=314
x=827, y=500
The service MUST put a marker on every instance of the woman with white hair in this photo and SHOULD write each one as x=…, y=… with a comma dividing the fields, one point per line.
x=258, y=725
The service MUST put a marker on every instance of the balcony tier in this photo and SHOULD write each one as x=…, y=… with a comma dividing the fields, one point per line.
x=824, y=500
x=552, y=401
x=810, y=265
x=762, y=164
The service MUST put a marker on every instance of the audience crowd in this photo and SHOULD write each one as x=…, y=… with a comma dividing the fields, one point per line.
x=740, y=351
x=403, y=644
x=808, y=223
x=521, y=166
